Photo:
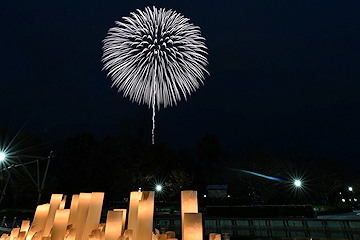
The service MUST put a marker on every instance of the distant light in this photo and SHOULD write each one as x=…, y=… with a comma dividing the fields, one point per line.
x=158, y=188
x=339, y=192
x=343, y=200
x=139, y=189
x=2, y=156
x=355, y=199
x=228, y=195
x=349, y=200
x=204, y=195
x=297, y=183
x=350, y=189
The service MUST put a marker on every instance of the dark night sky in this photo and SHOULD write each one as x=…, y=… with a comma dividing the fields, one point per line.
x=283, y=72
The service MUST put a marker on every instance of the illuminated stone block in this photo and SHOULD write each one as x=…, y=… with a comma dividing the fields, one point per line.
x=145, y=216
x=214, y=236
x=37, y=236
x=102, y=227
x=94, y=214
x=114, y=223
x=4, y=236
x=39, y=221
x=123, y=219
x=60, y=223
x=81, y=214
x=22, y=235
x=14, y=233
x=70, y=234
x=128, y=234
x=163, y=237
x=54, y=205
x=25, y=225
x=170, y=234
x=62, y=203
x=192, y=226
x=95, y=235
x=133, y=212
x=189, y=204
x=73, y=208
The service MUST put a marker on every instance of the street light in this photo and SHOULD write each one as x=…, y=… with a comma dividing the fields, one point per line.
x=158, y=188
x=350, y=189
x=297, y=183
x=2, y=156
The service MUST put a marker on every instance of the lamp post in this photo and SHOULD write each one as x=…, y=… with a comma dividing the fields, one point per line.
x=4, y=158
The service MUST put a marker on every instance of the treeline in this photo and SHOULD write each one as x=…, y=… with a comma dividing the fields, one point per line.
x=255, y=174
x=125, y=162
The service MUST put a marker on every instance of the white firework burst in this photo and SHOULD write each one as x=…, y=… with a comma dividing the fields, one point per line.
x=155, y=57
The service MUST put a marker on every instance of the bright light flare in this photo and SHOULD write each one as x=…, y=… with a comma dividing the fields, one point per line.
x=350, y=189
x=2, y=156
x=297, y=183
x=158, y=188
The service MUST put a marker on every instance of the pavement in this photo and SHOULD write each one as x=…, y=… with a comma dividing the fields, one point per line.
x=354, y=215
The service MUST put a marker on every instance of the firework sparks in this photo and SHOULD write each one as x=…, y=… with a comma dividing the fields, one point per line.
x=155, y=57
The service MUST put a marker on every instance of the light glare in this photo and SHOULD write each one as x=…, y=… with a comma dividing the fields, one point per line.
x=297, y=183
x=2, y=156
x=158, y=188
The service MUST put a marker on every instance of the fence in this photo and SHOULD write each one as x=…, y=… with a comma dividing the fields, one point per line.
x=271, y=228
x=256, y=228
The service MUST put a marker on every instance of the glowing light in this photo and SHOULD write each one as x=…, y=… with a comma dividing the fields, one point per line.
x=343, y=200
x=158, y=188
x=155, y=57
x=297, y=183
x=2, y=156
x=350, y=189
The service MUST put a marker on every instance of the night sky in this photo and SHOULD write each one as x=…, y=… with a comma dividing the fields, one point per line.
x=285, y=73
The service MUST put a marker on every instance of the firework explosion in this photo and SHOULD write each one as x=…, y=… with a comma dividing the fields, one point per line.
x=154, y=57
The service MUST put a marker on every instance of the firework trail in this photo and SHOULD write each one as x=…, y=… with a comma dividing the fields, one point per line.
x=155, y=57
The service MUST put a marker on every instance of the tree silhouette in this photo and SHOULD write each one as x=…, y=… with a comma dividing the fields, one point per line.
x=210, y=154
